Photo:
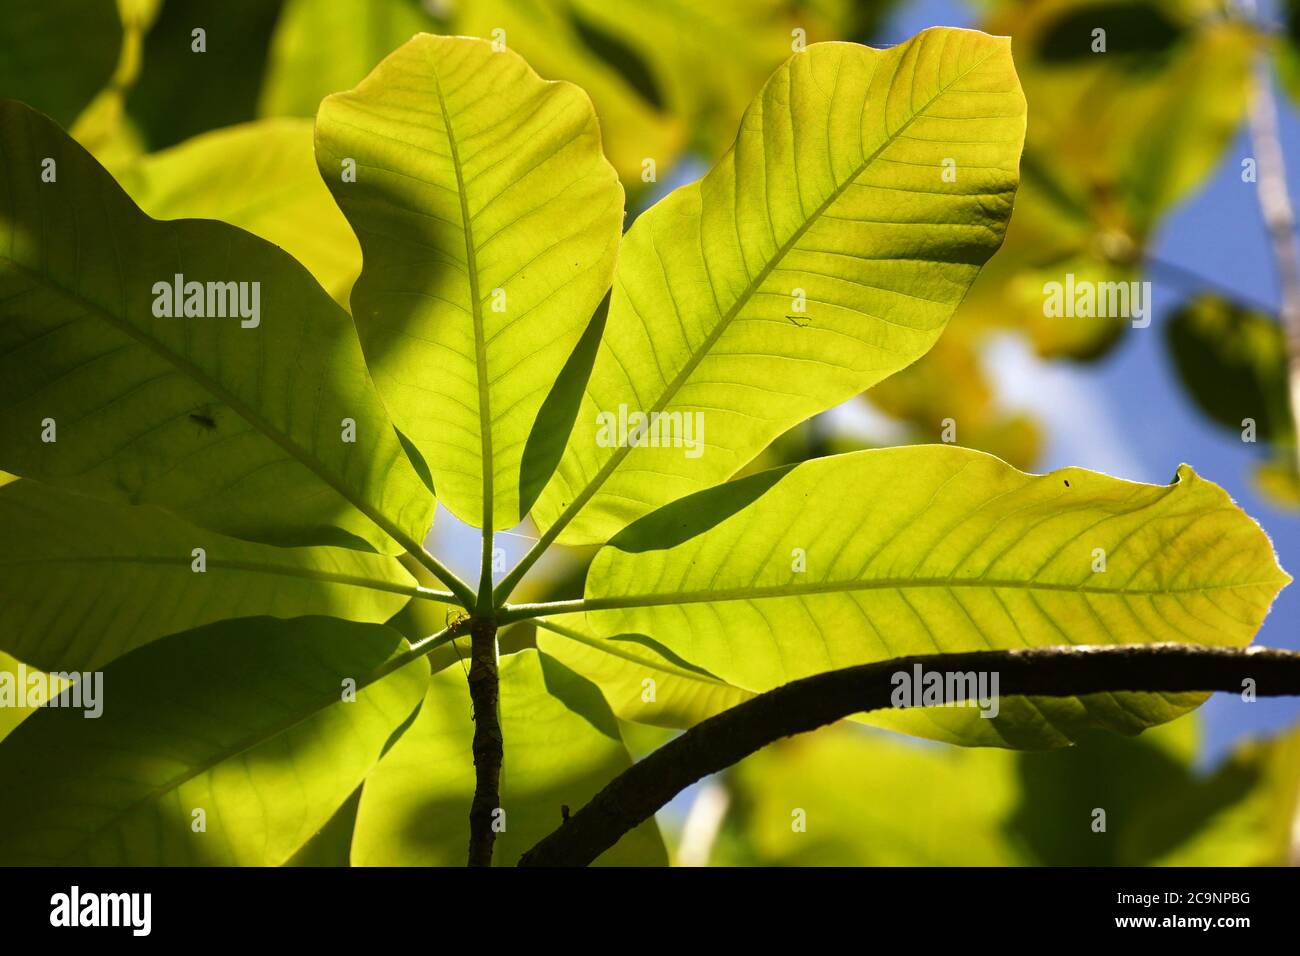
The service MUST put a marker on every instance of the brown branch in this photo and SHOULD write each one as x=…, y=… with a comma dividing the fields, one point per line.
x=1279, y=216
x=488, y=747
x=813, y=702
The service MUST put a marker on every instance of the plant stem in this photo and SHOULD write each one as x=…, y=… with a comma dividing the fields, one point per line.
x=488, y=743
x=822, y=699
x=1279, y=217
x=522, y=612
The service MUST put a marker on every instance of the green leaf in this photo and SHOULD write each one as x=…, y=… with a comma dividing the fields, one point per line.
x=261, y=177
x=489, y=222
x=243, y=719
x=56, y=55
x=181, y=91
x=103, y=127
x=562, y=745
x=82, y=581
x=551, y=36
x=641, y=679
x=16, y=674
x=885, y=553
x=1232, y=361
x=836, y=189
x=239, y=429
x=873, y=800
x=324, y=46
x=332, y=844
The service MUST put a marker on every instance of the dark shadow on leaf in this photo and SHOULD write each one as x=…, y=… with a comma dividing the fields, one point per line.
x=550, y=433
x=695, y=514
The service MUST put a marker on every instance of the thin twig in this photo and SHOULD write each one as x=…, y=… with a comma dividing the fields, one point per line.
x=1279, y=217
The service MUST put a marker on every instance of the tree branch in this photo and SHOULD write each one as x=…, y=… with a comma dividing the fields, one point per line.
x=1279, y=216
x=822, y=699
x=488, y=745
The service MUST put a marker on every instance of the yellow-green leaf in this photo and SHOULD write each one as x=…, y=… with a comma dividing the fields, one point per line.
x=238, y=423
x=641, y=679
x=826, y=251
x=261, y=177
x=489, y=222
x=937, y=549
x=244, y=727
x=83, y=581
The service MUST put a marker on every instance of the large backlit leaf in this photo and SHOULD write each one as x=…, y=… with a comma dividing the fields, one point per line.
x=489, y=222
x=244, y=720
x=834, y=197
x=885, y=553
x=261, y=177
x=84, y=581
x=562, y=745
x=240, y=429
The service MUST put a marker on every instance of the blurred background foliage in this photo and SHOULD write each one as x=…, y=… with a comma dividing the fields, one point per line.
x=1116, y=143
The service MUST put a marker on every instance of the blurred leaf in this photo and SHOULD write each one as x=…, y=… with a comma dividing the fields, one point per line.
x=1117, y=140
x=872, y=800
x=1278, y=480
x=879, y=554
x=181, y=91
x=85, y=581
x=945, y=382
x=243, y=720
x=562, y=745
x=1232, y=361
x=866, y=799
x=56, y=55
x=261, y=177
x=489, y=223
x=704, y=320
x=548, y=37
x=256, y=414
x=103, y=126
x=325, y=46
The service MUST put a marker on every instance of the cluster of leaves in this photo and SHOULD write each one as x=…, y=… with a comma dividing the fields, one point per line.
x=477, y=183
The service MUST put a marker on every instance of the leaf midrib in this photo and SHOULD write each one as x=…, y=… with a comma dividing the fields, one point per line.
x=890, y=584
x=698, y=355
x=476, y=313
x=252, y=567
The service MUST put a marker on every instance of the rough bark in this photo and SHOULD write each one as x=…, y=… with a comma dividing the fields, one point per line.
x=484, y=691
